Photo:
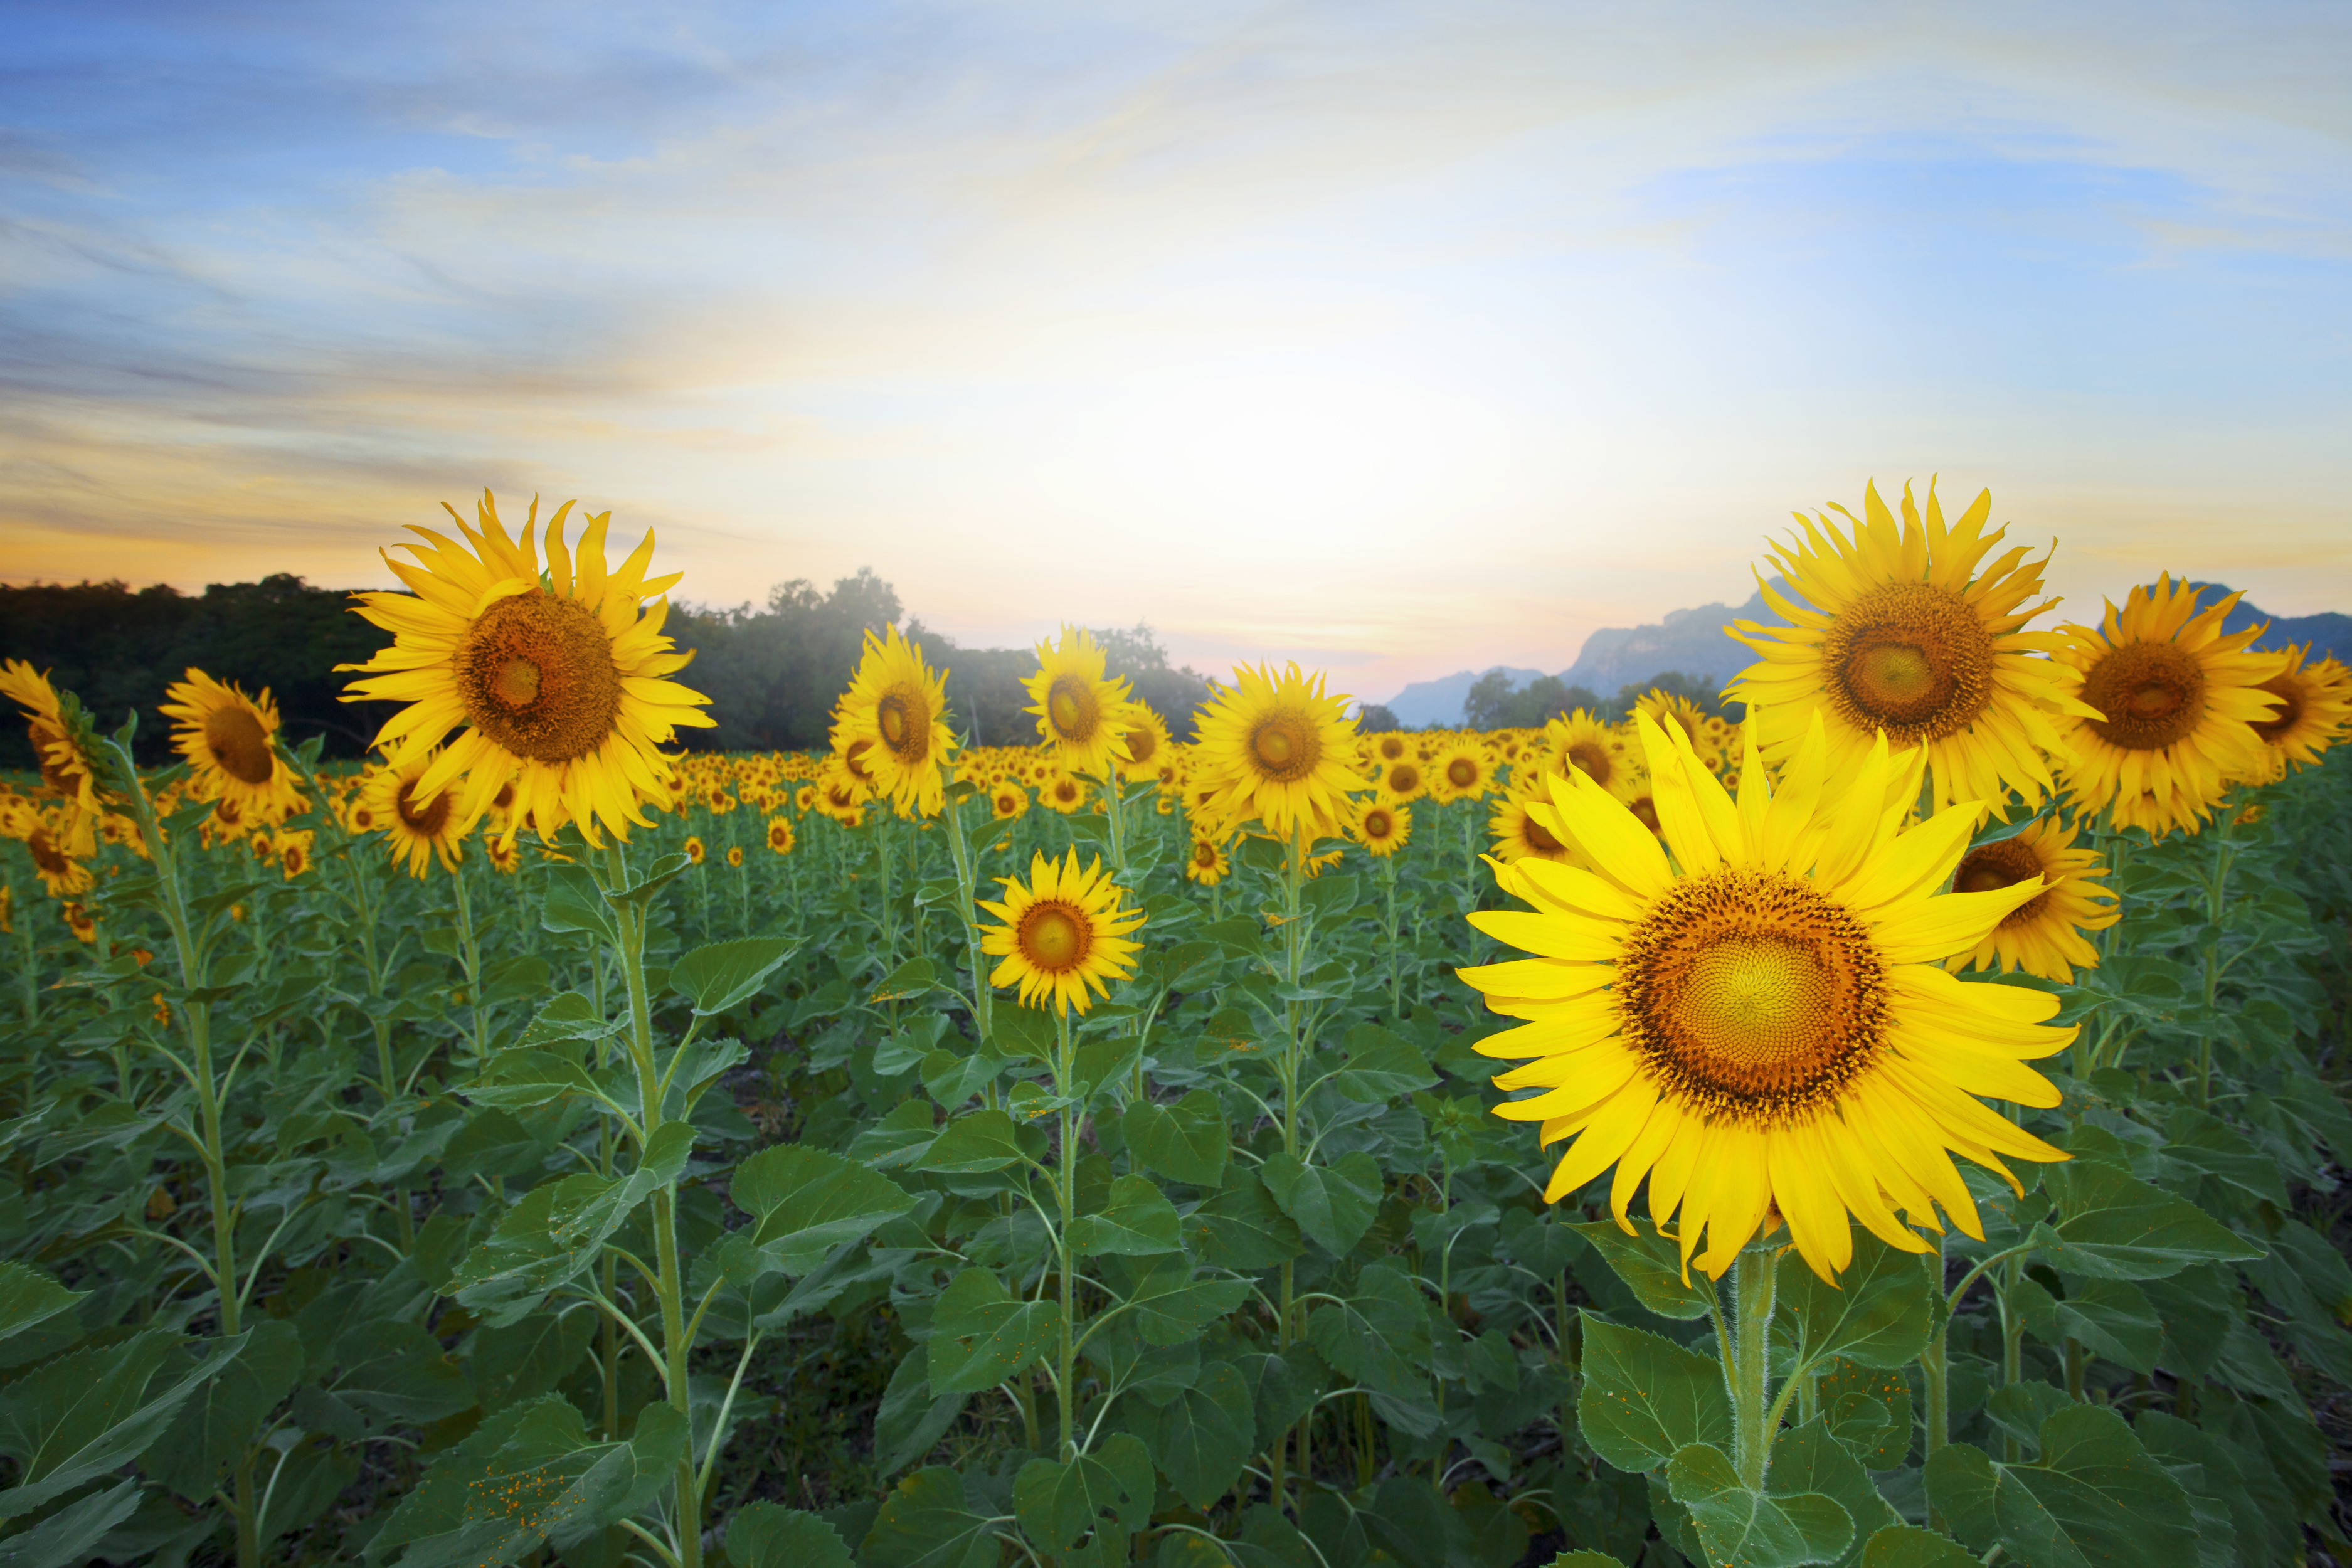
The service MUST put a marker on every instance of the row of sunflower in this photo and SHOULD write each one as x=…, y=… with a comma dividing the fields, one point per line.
x=402, y=1201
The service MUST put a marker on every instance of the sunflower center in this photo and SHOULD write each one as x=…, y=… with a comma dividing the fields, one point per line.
x=1054, y=936
x=1910, y=658
x=905, y=726
x=1752, y=995
x=47, y=855
x=424, y=818
x=1403, y=779
x=1391, y=748
x=1143, y=744
x=1071, y=709
x=536, y=675
x=1461, y=773
x=1204, y=853
x=1590, y=758
x=1379, y=823
x=1285, y=747
x=2272, y=730
x=2153, y=694
x=1644, y=807
x=2004, y=865
x=239, y=745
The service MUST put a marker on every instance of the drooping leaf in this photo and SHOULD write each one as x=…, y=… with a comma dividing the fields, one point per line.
x=28, y=1296
x=70, y=1536
x=1202, y=1438
x=220, y=1419
x=715, y=977
x=2111, y=1318
x=763, y=1535
x=2113, y=1226
x=2095, y=1495
x=1381, y=1066
x=92, y=1410
x=928, y=1522
x=911, y=1418
x=983, y=1140
x=1085, y=1510
x=1171, y=1304
x=1242, y=1227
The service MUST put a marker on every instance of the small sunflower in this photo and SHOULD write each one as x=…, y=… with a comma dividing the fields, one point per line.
x=1066, y=792
x=779, y=835
x=1383, y=828
x=505, y=857
x=64, y=738
x=1388, y=746
x=2312, y=710
x=1669, y=708
x=1279, y=750
x=230, y=741
x=1208, y=864
x=1146, y=734
x=735, y=855
x=1761, y=1025
x=555, y=675
x=897, y=706
x=694, y=849
x=2043, y=936
x=1007, y=801
x=1912, y=634
x=1061, y=933
x=2173, y=703
x=839, y=794
x=1581, y=742
x=1402, y=781
x=50, y=838
x=1460, y=772
x=421, y=822
x=1083, y=715
x=293, y=851
x=1518, y=834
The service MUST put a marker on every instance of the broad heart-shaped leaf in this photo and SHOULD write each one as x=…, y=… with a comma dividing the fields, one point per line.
x=1381, y=1066
x=525, y=1475
x=763, y=1535
x=1379, y=1336
x=1645, y=1398
x=928, y=1520
x=2112, y=1318
x=27, y=1297
x=1333, y=1203
x=2095, y=1495
x=1186, y=1141
x=982, y=1334
x=1867, y=1409
x=1809, y=1458
x=1202, y=1438
x=2113, y=1226
x=569, y=1015
x=220, y=1420
x=715, y=977
x=559, y=1228
x=911, y=1417
x=1242, y=1227
x=1876, y=1315
x=808, y=1202
x=1651, y=1269
x=1168, y=1305
x=71, y=1534
x=1744, y=1529
x=1136, y=1221
x=983, y=1140
x=1908, y=1546
x=93, y=1410
x=1085, y=1510
x=519, y=1080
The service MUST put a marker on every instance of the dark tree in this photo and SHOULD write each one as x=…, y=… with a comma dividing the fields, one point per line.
x=1374, y=718
x=1492, y=704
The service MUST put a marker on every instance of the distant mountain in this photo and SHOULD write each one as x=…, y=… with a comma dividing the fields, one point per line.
x=2326, y=632
x=1426, y=702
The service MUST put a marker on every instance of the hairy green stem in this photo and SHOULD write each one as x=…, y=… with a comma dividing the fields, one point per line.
x=1754, y=1285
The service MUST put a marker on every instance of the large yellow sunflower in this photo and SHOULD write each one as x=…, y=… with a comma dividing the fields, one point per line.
x=1277, y=749
x=2173, y=703
x=2042, y=935
x=230, y=741
x=1061, y=933
x=420, y=823
x=1911, y=632
x=556, y=673
x=2313, y=710
x=897, y=706
x=65, y=740
x=1761, y=1023
x=1081, y=714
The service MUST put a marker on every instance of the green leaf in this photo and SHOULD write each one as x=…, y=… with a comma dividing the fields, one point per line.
x=2211, y=1147
x=715, y=978
x=2198, y=1307
x=525, y=1360
x=1585, y=1558
x=1169, y=1305
x=2095, y=1495
x=1646, y=1398
x=2112, y=1318
x=90, y=1411
x=1876, y=1315
x=27, y=1297
x=558, y=1230
x=809, y=1202
x=1908, y=1546
x=1868, y=1409
x=982, y=1334
x=1651, y=1269
x=926, y=1522
x=221, y=1420
x=1186, y=1141
x=763, y=1535
x=72, y=1535
x=1809, y=1458
x=1203, y=1436
x=1135, y=1221
x=1333, y=1203
x=2117, y=1227
x=657, y=877
x=911, y=1419
x=1744, y=1529
x=1242, y=1228
x=910, y=980
x=981, y=1140
x=1086, y=1510
x=517, y=1080
x=1381, y=1066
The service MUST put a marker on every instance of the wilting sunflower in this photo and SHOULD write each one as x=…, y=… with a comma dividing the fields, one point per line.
x=2312, y=710
x=1402, y=781
x=1762, y=1024
x=1460, y=772
x=1061, y=933
x=421, y=822
x=557, y=674
x=2173, y=703
x=1081, y=714
x=1383, y=828
x=897, y=706
x=1581, y=742
x=1146, y=734
x=1910, y=631
x=230, y=741
x=779, y=835
x=1517, y=834
x=2042, y=935
x=65, y=740
x=1277, y=749
x=1208, y=864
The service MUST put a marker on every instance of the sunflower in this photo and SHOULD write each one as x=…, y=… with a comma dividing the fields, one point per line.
x=1461, y=770
x=65, y=740
x=896, y=708
x=63, y=867
x=1279, y=750
x=839, y=794
x=1066, y=792
x=230, y=741
x=2173, y=703
x=505, y=858
x=780, y=836
x=735, y=855
x=1517, y=834
x=421, y=822
x=556, y=673
x=1007, y=800
x=1912, y=633
x=2042, y=935
x=1383, y=828
x=694, y=849
x=1581, y=742
x=2312, y=710
x=1080, y=713
x=293, y=851
x=1146, y=734
x=1761, y=1025
x=1208, y=863
x=1388, y=746
x=1402, y=781
x=1671, y=708
x=1061, y=933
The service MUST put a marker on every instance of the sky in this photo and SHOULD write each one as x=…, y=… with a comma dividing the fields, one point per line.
x=1394, y=340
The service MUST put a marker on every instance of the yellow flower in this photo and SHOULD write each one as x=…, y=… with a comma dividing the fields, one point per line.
x=694, y=850
x=1207, y=864
x=1401, y=782
x=1082, y=715
x=780, y=836
x=1065, y=793
x=1912, y=634
x=1146, y=734
x=1383, y=828
x=735, y=855
x=421, y=822
x=2173, y=704
x=557, y=674
x=1061, y=933
x=1761, y=1023
x=2312, y=710
x=895, y=711
x=1518, y=834
x=1461, y=770
x=1007, y=801
x=2042, y=935
x=505, y=858
x=293, y=851
x=1277, y=750
x=64, y=742
x=230, y=741
x=1581, y=742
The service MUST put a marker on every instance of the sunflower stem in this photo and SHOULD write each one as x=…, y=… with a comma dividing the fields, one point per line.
x=1065, y=1181
x=1935, y=1365
x=1754, y=1286
x=968, y=890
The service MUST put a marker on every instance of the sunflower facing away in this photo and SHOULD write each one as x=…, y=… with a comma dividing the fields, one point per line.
x=230, y=741
x=1082, y=715
x=2042, y=935
x=1061, y=933
x=897, y=706
x=1761, y=1025
x=1910, y=631
x=556, y=673
x=2173, y=704
x=1277, y=749
x=2312, y=710
x=1383, y=828
x=420, y=823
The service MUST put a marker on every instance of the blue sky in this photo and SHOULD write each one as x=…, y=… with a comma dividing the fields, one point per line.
x=1393, y=339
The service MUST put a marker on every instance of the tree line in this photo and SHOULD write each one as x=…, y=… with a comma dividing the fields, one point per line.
x=1493, y=703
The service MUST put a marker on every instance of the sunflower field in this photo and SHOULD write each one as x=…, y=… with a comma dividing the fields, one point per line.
x=1285, y=1148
